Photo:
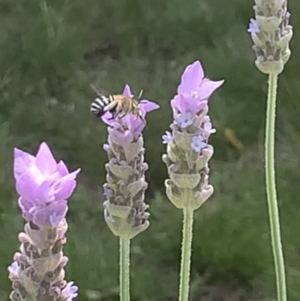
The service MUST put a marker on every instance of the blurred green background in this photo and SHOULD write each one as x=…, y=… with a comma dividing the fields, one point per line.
x=51, y=53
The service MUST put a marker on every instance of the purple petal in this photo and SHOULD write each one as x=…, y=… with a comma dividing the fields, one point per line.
x=208, y=129
x=253, y=26
x=148, y=106
x=208, y=87
x=197, y=143
x=139, y=127
x=25, y=206
x=62, y=169
x=30, y=190
x=134, y=124
x=43, y=215
x=45, y=161
x=107, y=191
x=55, y=219
x=14, y=268
x=63, y=189
x=109, y=120
x=26, y=186
x=167, y=137
x=191, y=78
x=59, y=212
x=127, y=91
x=72, y=175
x=44, y=193
x=106, y=147
x=22, y=162
x=184, y=119
x=70, y=292
x=185, y=103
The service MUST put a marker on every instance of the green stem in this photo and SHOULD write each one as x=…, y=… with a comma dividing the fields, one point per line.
x=271, y=189
x=186, y=250
x=124, y=268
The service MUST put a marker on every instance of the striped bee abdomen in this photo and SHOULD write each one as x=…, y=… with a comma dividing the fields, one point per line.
x=99, y=104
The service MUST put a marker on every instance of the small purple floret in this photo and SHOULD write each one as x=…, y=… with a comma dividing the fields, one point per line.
x=208, y=129
x=188, y=150
x=70, y=291
x=107, y=192
x=253, y=26
x=184, y=119
x=198, y=143
x=14, y=268
x=167, y=137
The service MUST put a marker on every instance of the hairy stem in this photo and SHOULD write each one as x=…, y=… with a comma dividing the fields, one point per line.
x=124, y=269
x=271, y=189
x=186, y=250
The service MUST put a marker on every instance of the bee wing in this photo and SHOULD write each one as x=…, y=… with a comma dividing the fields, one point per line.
x=99, y=93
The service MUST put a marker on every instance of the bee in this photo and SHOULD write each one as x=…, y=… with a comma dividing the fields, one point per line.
x=118, y=105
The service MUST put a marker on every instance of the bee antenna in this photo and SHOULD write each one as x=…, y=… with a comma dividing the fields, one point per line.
x=95, y=89
x=141, y=93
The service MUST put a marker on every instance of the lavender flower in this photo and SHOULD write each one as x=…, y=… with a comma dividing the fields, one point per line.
x=188, y=152
x=125, y=209
x=271, y=34
x=44, y=186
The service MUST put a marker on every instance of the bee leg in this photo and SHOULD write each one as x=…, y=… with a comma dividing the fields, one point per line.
x=121, y=116
x=113, y=116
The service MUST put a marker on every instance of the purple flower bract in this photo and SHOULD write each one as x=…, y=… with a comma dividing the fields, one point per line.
x=43, y=186
x=194, y=89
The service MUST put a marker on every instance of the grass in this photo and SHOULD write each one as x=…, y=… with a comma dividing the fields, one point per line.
x=50, y=57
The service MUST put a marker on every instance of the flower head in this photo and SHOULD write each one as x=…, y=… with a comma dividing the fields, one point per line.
x=43, y=185
x=125, y=209
x=271, y=35
x=130, y=124
x=188, y=150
